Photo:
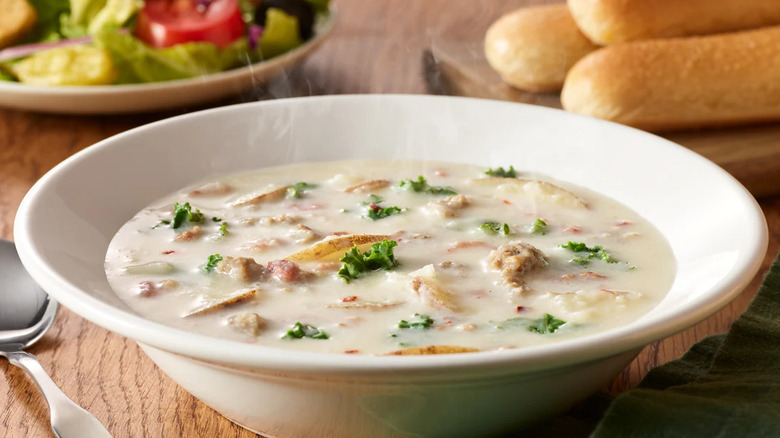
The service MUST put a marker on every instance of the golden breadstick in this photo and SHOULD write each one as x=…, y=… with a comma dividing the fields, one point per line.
x=615, y=21
x=681, y=83
x=533, y=48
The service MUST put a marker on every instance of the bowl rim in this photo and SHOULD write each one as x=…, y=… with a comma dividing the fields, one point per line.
x=528, y=359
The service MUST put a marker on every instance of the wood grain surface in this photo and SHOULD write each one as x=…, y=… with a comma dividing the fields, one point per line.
x=377, y=47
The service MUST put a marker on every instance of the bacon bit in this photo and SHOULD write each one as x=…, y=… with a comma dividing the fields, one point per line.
x=623, y=223
x=190, y=234
x=170, y=251
x=507, y=202
x=519, y=309
x=573, y=230
x=469, y=244
x=348, y=299
x=351, y=351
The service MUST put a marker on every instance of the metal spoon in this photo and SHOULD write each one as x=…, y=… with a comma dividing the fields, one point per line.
x=26, y=313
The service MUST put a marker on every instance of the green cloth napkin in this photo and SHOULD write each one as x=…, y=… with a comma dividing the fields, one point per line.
x=724, y=386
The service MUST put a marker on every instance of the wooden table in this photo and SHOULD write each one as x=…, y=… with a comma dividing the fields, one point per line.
x=376, y=48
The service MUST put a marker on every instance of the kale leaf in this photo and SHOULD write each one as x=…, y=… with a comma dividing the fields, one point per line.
x=380, y=256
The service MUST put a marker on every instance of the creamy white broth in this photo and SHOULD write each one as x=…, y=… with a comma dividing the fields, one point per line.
x=161, y=275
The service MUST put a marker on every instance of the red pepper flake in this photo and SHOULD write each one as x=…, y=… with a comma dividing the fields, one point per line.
x=374, y=207
x=623, y=223
x=348, y=299
x=351, y=351
x=519, y=309
x=170, y=251
x=573, y=230
x=507, y=202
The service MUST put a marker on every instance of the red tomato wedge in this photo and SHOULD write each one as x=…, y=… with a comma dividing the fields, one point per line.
x=164, y=23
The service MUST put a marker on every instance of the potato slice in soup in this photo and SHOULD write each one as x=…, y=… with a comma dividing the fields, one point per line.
x=333, y=249
x=536, y=190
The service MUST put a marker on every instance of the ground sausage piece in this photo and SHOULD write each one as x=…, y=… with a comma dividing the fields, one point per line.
x=515, y=260
x=284, y=271
x=248, y=322
x=241, y=268
x=303, y=234
x=450, y=206
x=191, y=234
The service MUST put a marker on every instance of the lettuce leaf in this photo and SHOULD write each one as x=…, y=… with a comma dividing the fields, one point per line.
x=47, y=28
x=137, y=62
x=280, y=34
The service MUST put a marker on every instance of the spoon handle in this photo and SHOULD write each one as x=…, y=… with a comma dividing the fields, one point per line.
x=68, y=420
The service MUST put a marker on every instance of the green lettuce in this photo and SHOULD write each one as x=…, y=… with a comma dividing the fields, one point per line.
x=280, y=34
x=49, y=12
x=137, y=62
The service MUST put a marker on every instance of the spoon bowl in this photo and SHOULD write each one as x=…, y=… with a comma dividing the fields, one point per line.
x=26, y=313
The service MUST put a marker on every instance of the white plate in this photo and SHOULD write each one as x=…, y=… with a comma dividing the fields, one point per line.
x=716, y=230
x=157, y=96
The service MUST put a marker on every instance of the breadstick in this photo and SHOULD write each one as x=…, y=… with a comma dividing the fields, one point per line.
x=533, y=48
x=681, y=83
x=615, y=21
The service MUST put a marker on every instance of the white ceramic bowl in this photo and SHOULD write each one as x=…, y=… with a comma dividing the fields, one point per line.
x=715, y=228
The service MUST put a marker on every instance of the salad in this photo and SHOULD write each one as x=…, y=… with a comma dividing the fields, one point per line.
x=103, y=42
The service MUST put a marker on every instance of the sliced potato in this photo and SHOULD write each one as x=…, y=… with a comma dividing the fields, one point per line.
x=254, y=199
x=536, y=190
x=434, y=293
x=151, y=268
x=234, y=298
x=334, y=248
x=371, y=305
x=368, y=186
x=432, y=349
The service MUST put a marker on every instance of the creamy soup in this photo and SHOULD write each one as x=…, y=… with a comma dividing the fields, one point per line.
x=380, y=257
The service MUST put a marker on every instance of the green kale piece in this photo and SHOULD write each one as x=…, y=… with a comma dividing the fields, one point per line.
x=544, y=325
x=300, y=331
x=376, y=212
x=495, y=228
x=421, y=186
x=539, y=227
x=214, y=259
x=183, y=213
x=597, y=252
x=380, y=256
x=298, y=189
x=419, y=321
x=500, y=172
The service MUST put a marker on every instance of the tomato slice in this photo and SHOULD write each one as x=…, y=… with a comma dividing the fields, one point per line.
x=164, y=23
